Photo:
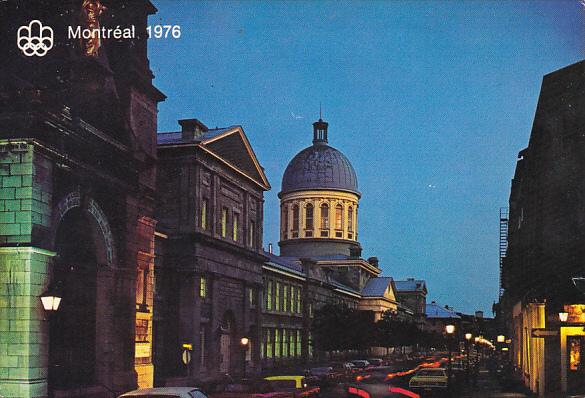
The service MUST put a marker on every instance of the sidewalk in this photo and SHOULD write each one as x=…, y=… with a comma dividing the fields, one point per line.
x=487, y=386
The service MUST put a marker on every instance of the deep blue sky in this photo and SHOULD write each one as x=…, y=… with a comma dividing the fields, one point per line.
x=430, y=100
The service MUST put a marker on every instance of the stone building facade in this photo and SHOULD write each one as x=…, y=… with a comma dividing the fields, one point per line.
x=546, y=238
x=77, y=166
x=210, y=206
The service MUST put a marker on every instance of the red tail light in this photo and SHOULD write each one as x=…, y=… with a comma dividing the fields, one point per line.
x=403, y=392
x=358, y=392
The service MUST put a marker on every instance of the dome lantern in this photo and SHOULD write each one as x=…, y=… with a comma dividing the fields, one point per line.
x=320, y=132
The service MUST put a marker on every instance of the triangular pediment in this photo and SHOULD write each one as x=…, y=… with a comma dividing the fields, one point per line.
x=234, y=148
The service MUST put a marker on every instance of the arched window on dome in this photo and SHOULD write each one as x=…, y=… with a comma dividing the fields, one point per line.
x=339, y=221
x=285, y=221
x=309, y=220
x=295, y=225
x=350, y=222
x=324, y=220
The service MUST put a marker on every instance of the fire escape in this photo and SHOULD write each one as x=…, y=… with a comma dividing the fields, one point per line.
x=503, y=243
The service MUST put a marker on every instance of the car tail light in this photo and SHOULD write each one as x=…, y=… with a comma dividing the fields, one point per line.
x=358, y=392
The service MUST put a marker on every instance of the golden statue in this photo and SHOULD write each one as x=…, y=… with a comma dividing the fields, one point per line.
x=90, y=12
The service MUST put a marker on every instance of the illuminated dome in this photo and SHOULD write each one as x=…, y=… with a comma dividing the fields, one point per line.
x=319, y=167
x=319, y=202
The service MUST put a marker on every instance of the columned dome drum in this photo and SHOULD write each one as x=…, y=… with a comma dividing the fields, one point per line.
x=319, y=201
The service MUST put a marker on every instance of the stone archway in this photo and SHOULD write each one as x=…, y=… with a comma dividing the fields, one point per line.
x=84, y=244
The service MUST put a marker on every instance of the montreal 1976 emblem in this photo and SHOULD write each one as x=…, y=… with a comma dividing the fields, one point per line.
x=35, y=39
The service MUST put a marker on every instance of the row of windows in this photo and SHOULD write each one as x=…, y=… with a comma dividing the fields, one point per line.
x=281, y=343
x=282, y=297
x=224, y=224
x=309, y=217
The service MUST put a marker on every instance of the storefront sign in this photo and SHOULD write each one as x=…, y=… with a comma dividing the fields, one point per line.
x=576, y=313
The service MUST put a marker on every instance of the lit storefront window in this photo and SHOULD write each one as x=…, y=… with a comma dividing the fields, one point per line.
x=203, y=287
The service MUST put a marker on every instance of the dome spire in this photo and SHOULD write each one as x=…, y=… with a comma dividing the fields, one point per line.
x=320, y=129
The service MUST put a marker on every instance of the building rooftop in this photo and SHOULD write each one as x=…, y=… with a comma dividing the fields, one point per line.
x=434, y=310
x=376, y=287
x=410, y=285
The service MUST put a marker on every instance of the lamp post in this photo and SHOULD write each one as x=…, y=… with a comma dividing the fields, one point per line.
x=450, y=329
x=244, y=343
x=468, y=337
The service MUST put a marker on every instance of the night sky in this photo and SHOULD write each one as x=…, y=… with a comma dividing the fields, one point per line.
x=430, y=100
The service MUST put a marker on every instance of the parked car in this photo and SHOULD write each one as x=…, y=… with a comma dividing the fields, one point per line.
x=375, y=361
x=248, y=389
x=429, y=380
x=342, y=370
x=324, y=374
x=166, y=392
x=298, y=385
x=360, y=363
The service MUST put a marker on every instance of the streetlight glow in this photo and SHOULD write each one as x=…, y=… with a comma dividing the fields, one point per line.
x=51, y=299
x=468, y=336
x=563, y=316
x=244, y=341
x=450, y=329
x=501, y=338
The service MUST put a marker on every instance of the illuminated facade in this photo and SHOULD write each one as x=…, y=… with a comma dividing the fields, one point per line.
x=77, y=167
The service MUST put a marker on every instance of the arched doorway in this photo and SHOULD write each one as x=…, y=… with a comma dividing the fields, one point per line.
x=82, y=270
x=72, y=334
x=225, y=343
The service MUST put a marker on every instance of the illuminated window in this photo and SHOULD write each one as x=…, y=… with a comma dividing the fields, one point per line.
x=277, y=343
x=309, y=216
x=311, y=310
x=299, y=302
x=295, y=225
x=277, y=297
x=339, y=217
x=269, y=296
x=204, y=214
x=203, y=287
x=291, y=343
x=298, y=343
x=324, y=216
x=236, y=221
x=269, y=344
x=285, y=298
x=284, y=343
x=350, y=219
x=292, y=298
x=224, y=221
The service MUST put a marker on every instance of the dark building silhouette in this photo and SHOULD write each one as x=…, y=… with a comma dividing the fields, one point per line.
x=546, y=235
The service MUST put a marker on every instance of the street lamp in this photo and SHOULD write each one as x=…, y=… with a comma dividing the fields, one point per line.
x=244, y=343
x=501, y=338
x=51, y=299
x=450, y=329
x=563, y=316
x=468, y=337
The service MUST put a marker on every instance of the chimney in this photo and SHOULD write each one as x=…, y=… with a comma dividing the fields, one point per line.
x=410, y=279
x=374, y=261
x=270, y=248
x=479, y=314
x=192, y=129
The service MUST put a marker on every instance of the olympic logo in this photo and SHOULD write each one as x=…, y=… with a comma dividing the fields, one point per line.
x=35, y=39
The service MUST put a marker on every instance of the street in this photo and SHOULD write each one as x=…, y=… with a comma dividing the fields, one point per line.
x=371, y=385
